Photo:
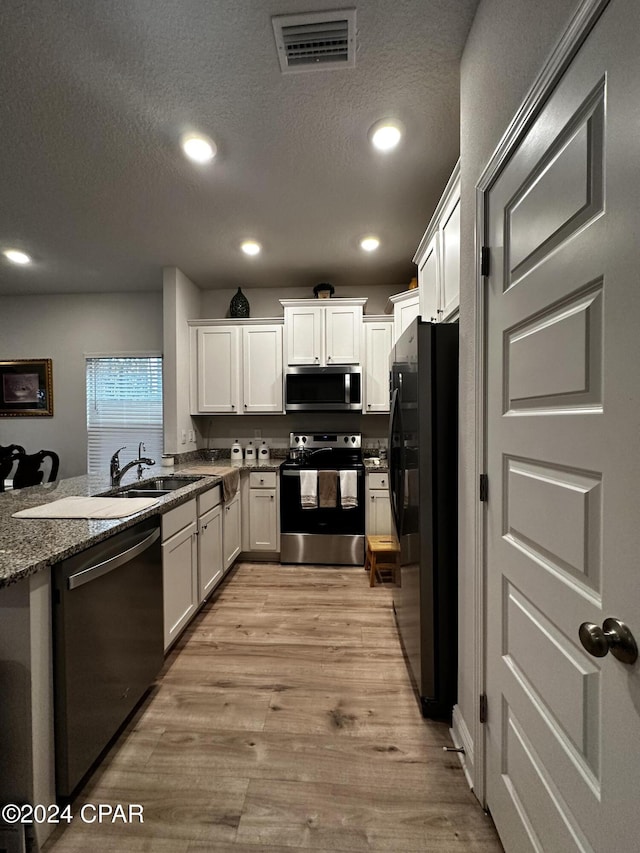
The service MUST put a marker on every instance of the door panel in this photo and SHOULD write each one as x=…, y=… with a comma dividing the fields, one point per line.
x=563, y=415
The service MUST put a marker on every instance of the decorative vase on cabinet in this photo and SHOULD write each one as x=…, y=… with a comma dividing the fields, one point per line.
x=239, y=305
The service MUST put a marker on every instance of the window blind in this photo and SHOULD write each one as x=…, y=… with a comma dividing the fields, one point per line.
x=124, y=407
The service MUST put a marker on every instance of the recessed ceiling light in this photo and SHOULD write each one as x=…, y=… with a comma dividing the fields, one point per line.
x=250, y=247
x=386, y=134
x=369, y=244
x=198, y=148
x=17, y=257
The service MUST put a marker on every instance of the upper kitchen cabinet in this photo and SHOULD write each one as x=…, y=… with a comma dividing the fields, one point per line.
x=406, y=307
x=236, y=368
x=323, y=335
x=377, y=346
x=438, y=257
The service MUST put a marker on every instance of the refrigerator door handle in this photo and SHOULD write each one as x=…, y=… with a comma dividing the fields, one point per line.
x=395, y=482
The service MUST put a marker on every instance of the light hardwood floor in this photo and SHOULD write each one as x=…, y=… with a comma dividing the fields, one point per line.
x=284, y=720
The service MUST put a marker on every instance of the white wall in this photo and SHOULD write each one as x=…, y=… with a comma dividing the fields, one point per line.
x=507, y=46
x=65, y=328
x=263, y=301
x=181, y=302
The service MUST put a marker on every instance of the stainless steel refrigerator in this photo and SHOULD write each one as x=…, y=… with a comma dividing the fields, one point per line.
x=423, y=476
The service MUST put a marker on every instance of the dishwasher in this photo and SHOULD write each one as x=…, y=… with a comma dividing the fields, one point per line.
x=108, y=643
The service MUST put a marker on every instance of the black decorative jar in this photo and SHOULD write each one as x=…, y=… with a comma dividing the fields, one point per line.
x=239, y=305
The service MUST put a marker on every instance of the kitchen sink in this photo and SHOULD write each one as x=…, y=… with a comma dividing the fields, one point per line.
x=155, y=488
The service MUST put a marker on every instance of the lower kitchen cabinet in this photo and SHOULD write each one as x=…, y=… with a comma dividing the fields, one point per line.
x=210, y=558
x=378, y=510
x=179, y=569
x=263, y=511
x=231, y=530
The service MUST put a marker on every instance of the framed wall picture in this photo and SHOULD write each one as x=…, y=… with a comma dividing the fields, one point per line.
x=26, y=388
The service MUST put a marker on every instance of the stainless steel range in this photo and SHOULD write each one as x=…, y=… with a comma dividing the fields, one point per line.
x=322, y=500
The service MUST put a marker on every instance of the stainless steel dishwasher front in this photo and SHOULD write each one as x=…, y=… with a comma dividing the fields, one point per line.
x=108, y=643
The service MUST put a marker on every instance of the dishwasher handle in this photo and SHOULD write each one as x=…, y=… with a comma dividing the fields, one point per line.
x=94, y=572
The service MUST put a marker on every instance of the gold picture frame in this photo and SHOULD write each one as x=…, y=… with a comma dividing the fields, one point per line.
x=26, y=388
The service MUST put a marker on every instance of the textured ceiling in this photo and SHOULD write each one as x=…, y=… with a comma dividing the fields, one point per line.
x=96, y=94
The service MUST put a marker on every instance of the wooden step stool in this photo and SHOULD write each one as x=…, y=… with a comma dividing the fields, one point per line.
x=383, y=553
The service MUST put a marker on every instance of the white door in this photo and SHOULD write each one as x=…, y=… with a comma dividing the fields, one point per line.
x=263, y=529
x=303, y=334
x=210, y=566
x=428, y=281
x=377, y=346
x=343, y=331
x=450, y=267
x=262, y=369
x=218, y=369
x=563, y=425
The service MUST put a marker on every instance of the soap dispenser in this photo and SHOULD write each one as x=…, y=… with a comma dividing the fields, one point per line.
x=250, y=453
x=236, y=452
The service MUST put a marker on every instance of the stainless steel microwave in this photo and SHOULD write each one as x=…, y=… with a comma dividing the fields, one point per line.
x=323, y=389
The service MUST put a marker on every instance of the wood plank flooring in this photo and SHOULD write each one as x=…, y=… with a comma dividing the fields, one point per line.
x=284, y=720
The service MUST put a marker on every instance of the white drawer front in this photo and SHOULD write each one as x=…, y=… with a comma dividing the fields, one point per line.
x=207, y=500
x=178, y=518
x=262, y=479
x=378, y=481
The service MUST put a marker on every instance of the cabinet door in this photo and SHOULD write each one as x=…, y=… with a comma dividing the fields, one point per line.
x=180, y=581
x=263, y=522
x=303, y=330
x=379, y=521
x=343, y=331
x=428, y=282
x=218, y=366
x=404, y=312
x=210, y=566
x=450, y=269
x=231, y=530
x=262, y=369
x=377, y=342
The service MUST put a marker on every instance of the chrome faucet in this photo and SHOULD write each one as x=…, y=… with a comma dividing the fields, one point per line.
x=117, y=473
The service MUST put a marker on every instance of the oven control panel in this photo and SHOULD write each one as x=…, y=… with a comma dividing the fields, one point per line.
x=351, y=440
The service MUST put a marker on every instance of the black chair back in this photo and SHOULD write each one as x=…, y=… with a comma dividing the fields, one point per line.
x=29, y=473
x=8, y=457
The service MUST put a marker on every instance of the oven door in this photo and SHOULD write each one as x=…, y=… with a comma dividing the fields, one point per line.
x=332, y=536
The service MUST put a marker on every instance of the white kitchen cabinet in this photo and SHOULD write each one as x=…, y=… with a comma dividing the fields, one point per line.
x=263, y=511
x=438, y=257
x=217, y=370
x=323, y=335
x=406, y=307
x=210, y=561
x=262, y=369
x=179, y=569
x=377, y=346
x=378, y=519
x=236, y=368
x=231, y=530
x=428, y=278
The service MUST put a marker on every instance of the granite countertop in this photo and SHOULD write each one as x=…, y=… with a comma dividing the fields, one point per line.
x=30, y=545
x=370, y=465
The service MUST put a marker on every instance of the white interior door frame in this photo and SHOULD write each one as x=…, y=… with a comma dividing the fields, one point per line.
x=558, y=61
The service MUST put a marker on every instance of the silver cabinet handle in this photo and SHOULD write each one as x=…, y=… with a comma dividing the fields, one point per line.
x=614, y=637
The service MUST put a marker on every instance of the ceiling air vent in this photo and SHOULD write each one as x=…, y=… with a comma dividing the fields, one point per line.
x=316, y=41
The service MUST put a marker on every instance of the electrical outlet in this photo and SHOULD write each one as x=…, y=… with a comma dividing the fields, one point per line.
x=192, y=435
x=183, y=436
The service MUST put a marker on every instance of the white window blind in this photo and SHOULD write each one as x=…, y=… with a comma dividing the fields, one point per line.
x=124, y=407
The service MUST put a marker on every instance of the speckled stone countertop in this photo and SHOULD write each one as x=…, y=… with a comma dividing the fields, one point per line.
x=30, y=545
x=370, y=465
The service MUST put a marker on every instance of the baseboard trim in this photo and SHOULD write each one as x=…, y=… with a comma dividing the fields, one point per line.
x=461, y=737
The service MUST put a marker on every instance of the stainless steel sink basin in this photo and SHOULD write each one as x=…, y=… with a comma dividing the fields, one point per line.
x=155, y=488
x=168, y=484
x=142, y=493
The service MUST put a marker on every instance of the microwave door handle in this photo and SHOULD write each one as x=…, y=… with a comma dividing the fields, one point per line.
x=347, y=388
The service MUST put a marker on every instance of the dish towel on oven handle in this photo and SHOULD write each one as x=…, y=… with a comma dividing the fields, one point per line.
x=309, y=489
x=348, y=489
